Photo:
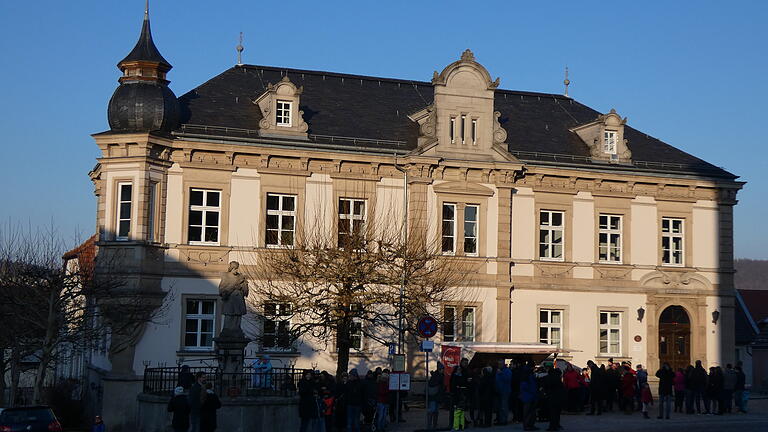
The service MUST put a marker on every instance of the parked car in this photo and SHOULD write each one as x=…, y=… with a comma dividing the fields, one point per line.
x=29, y=419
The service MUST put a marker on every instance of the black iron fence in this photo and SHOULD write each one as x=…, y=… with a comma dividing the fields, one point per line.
x=251, y=382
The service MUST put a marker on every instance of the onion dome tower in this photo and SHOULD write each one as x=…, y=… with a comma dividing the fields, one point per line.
x=143, y=102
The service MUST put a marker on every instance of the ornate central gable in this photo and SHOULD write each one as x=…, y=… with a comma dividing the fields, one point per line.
x=462, y=122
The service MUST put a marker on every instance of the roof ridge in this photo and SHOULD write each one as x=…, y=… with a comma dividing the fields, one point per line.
x=378, y=78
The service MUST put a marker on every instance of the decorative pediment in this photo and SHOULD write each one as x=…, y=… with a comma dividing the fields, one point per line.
x=465, y=73
x=463, y=188
x=280, y=112
x=605, y=138
x=674, y=281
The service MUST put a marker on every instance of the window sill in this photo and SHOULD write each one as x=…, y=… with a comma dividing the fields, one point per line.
x=278, y=353
x=194, y=353
x=616, y=358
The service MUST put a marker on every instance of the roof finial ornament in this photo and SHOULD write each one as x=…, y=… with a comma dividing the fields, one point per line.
x=467, y=55
x=240, y=49
x=146, y=9
x=566, y=81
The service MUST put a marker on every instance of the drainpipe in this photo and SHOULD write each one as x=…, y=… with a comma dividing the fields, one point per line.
x=405, y=244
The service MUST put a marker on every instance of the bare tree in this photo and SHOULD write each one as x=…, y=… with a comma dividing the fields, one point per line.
x=338, y=281
x=62, y=309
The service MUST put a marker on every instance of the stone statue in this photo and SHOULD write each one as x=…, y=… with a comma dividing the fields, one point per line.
x=233, y=290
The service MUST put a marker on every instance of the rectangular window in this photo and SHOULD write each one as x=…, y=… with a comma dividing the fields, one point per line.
x=468, y=324
x=283, y=113
x=474, y=131
x=449, y=324
x=470, y=229
x=152, y=217
x=551, y=228
x=124, y=204
x=356, y=334
x=463, y=123
x=609, y=142
x=281, y=220
x=351, y=221
x=449, y=228
x=551, y=326
x=609, y=239
x=199, y=319
x=204, y=215
x=452, y=130
x=672, y=237
x=610, y=333
x=277, y=327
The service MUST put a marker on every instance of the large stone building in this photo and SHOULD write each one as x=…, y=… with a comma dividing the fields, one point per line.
x=589, y=234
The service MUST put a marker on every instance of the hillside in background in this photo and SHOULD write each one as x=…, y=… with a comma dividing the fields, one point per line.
x=751, y=274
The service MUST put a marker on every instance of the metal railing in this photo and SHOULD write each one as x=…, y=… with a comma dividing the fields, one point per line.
x=249, y=383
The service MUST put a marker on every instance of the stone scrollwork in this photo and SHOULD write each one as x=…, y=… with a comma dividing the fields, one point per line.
x=499, y=133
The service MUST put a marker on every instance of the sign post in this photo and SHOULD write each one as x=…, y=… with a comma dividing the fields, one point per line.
x=427, y=328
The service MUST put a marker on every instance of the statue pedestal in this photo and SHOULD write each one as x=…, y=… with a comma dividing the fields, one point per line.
x=230, y=352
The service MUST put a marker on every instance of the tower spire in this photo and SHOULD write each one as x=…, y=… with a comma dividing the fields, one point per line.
x=566, y=81
x=144, y=56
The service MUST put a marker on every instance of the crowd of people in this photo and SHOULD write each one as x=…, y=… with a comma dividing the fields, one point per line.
x=519, y=392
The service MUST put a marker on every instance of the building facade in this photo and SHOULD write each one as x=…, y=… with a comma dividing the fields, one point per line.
x=587, y=234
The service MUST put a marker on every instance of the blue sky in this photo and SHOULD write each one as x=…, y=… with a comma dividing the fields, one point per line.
x=694, y=74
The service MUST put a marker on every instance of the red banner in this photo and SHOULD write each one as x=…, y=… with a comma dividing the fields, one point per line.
x=450, y=356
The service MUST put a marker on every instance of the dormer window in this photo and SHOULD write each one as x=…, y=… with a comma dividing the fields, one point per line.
x=283, y=113
x=609, y=142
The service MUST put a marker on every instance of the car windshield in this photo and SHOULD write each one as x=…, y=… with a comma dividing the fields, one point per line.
x=41, y=415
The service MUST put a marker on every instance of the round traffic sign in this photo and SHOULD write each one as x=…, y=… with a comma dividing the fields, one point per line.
x=427, y=327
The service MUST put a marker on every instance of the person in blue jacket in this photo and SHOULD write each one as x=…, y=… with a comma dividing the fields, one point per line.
x=503, y=390
x=528, y=391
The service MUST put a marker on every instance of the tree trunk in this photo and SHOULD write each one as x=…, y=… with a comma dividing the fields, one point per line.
x=3, y=369
x=15, y=374
x=48, y=345
x=342, y=346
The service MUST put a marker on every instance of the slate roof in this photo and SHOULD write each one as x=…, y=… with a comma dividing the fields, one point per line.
x=376, y=109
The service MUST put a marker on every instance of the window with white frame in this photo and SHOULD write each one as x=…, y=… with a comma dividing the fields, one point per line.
x=124, y=205
x=199, y=324
x=551, y=229
x=609, y=142
x=449, y=324
x=610, y=333
x=283, y=113
x=551, y=326
x=609, y=239
x=452, y=130
x=672, y=237
x=474, y=131
x=276, y=334
x=281, y=220
x=470, y=229
x=463, y=127
x=351, y=220
x=468, y=324
x=204, y=216
x=356, y=334
x=449, y=228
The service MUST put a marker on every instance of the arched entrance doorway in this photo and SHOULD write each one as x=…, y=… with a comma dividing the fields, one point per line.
x=675, y=337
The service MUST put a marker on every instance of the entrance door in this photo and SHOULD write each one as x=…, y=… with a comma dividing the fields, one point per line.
x=675, y=337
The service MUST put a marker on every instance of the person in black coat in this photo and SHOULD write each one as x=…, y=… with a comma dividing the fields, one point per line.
x=553, y=388
x=308, y=410
x=666, y=378
x=179, y=406
x=208, y=406
x=186, y=379
x=485, y=396
x=596, y=383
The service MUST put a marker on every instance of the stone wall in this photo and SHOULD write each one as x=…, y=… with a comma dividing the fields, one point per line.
x=236, y=415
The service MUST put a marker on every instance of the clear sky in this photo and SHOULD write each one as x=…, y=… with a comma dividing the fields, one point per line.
x=694, y=74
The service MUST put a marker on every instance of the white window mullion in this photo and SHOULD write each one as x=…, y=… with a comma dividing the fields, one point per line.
x=124, y=210
x=672, y=241
x=449, y=229
x=610, y=239
x=551, y=230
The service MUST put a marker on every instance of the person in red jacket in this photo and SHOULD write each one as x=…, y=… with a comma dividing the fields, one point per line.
x=572, y=381
x=628, y=389
x=382, y=401
x=646, y=398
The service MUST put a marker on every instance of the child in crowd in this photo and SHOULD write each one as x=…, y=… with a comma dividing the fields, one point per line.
x=646, y=397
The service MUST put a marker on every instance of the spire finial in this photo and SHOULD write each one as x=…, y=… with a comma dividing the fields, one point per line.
x=240, y=49
x=146, y=9
x=566, y=81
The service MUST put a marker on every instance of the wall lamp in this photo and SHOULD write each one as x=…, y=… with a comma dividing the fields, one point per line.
x=715, y=316
x=640, y=313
